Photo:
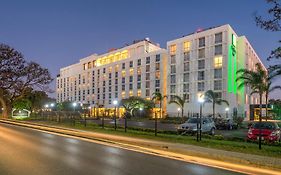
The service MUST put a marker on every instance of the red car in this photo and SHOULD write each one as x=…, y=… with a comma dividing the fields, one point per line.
x=270, y=131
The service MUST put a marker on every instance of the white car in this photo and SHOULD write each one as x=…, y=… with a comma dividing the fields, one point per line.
x=190, y=126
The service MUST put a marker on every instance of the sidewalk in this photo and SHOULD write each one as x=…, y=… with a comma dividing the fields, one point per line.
x=252, y=164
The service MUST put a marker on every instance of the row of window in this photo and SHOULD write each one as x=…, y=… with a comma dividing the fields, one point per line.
x=200, y=86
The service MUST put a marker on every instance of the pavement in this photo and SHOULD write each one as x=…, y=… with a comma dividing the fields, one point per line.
x=32, y=152
x=183, y=152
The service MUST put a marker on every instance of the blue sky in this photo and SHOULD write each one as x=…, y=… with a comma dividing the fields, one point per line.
x=57, y=33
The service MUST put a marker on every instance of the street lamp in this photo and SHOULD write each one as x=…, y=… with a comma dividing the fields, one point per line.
x=226, y=110
x=179, y=112
x=201, y=101
x=74, y=105
x=115, y=103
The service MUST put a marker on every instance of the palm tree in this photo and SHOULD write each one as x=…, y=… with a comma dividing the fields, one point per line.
x=257, y=81
x=272, y=73
x=157, y=96
x=178, y=101
x=212, y=97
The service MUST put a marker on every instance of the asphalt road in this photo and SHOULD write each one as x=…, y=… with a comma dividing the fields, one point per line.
x=28, y=152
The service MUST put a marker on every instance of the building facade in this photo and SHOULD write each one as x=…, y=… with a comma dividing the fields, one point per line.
x=191, y=65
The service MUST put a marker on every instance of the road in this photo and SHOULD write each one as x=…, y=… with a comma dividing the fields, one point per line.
x=30, y=152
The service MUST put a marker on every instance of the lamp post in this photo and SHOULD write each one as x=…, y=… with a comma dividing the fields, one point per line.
x=115, y=102
x=74, y=105
x=226, y=111
x=201, y=101
x=179, y=112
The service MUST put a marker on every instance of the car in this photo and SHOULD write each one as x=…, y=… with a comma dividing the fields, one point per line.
x=190, y=126
x=225, y=123
x=270, y=131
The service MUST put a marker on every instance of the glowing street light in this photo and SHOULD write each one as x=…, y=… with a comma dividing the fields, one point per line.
x=52, y=104
x=46, y=106
x=179, y=112
x=201, y=100
x=115, y=103
x=226, y=110
x=74, y=105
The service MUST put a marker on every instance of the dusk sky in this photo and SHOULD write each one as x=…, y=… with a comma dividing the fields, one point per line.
x=57, y=33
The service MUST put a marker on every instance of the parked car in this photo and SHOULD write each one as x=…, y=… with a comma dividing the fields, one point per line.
x=190, y=126
x=270, y=131
x=225, y=123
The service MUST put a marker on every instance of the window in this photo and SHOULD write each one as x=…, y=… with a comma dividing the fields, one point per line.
x=173, y=79
x=131, y=79
x=131, y=63
x=139, y=93
x=219, y=95
x=201, y=64
x=218, y=38
x=185, y=88
x=186, y=97
x=109, y=75
x=218, y=62
x=173, y=89
x=218, y=73
x=157, y=75
x=130, y=86
x=157, y=83
x=186, y=66
x=147, y=68
x=139, y=85
x=201, y=53
x=186, y=56
x=123, y=87
x=123, y=73
x=186, y=46
x=186, y=77
x=173, y=69
x=116, y=74
x=147, y=60
x=201, y=75
x=139, y=78
x=200, y=86
x=157, y=59
x=147, y=84
x=123, y=80
x=157, y=66
x=139, y=62
x=147, y=92
x=147, y=76
x=116, y=88
x=116, y=81
x=217, y=85
x=173, y=49
x=201, y=42
x=104, y=70
x=123, y=66
x=173, y=59
x=218, y=49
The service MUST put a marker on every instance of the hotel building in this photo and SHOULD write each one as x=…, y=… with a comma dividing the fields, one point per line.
x=204, y=60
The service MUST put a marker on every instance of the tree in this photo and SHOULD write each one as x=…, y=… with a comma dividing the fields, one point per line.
x=273, y=24
x=158, y=97
x=256, y=80
x=180, y=102
x=17, y=77
x=276, y=108
x=133, y=103
x=212, y=97
x=22, y=104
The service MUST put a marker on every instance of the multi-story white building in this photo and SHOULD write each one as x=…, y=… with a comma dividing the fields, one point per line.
x=191, y=65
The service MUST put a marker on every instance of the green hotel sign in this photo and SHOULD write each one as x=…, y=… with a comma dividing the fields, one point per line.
x=232, y=66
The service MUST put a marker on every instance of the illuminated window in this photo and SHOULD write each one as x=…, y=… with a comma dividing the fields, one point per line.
x=123, y=94
x=117, y=56
x=116, y=68
x=157, y=75
x=218, y=62
x=124, y=54
x=139, y=70
x=130, y=93
x=186, y=46
x=139, y=93
x=173, y=49
x=110, y=69
x=131, y=71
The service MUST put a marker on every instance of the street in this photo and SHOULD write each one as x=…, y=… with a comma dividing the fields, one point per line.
x=26, y=151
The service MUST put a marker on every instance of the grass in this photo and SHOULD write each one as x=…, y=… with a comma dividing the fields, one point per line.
x=211, y=142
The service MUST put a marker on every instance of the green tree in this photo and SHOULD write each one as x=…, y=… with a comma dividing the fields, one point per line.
x=22, y=104
x=273, y=24
x=180, y=102
x=133, y=103
x=17, y=77
x=212, y=97
x=256, y=80
x=158, y=97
